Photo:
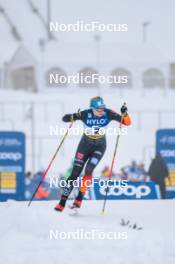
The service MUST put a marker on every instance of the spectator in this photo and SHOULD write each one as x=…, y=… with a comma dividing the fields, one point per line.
x=105, y=172
x=29, y=175
x=43, y=191
x=132, y=172
x=143, y=176
x=123, y=174
x=158, y=171
x=28, y=178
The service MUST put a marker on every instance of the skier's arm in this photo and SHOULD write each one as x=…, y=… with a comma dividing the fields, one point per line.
x=126, y=120
x=72, y=117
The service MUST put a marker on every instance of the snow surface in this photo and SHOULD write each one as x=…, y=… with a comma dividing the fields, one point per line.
x=25, y=233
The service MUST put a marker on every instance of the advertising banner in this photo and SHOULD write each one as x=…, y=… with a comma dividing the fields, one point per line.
x=133, y=190
x=165, y=145
x=12, y=165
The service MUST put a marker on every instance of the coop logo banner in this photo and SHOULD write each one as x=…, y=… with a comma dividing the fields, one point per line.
x=133, y=190
x=12, y=165
x=14, y=156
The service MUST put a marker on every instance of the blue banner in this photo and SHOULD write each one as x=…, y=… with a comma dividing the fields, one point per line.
x=12, y=165
x=133, y=190
x=165, y=145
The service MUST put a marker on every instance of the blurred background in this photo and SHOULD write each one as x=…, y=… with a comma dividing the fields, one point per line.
x=30, y=105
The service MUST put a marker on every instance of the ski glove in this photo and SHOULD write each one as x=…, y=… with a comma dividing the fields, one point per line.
x=124, y=109
x=68, y=118
x=72, y=117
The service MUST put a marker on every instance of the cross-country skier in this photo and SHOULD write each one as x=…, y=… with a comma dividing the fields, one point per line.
x=92, y=145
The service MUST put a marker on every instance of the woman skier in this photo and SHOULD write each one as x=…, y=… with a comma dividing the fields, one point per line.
x=92, y=145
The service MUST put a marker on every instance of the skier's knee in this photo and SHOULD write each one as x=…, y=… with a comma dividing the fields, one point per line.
x=91, y=165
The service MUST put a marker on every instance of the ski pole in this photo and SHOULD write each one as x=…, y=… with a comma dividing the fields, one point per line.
x=112, y=166
x=49, y=165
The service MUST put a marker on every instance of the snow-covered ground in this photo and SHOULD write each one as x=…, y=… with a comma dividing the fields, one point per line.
x=30, y=235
